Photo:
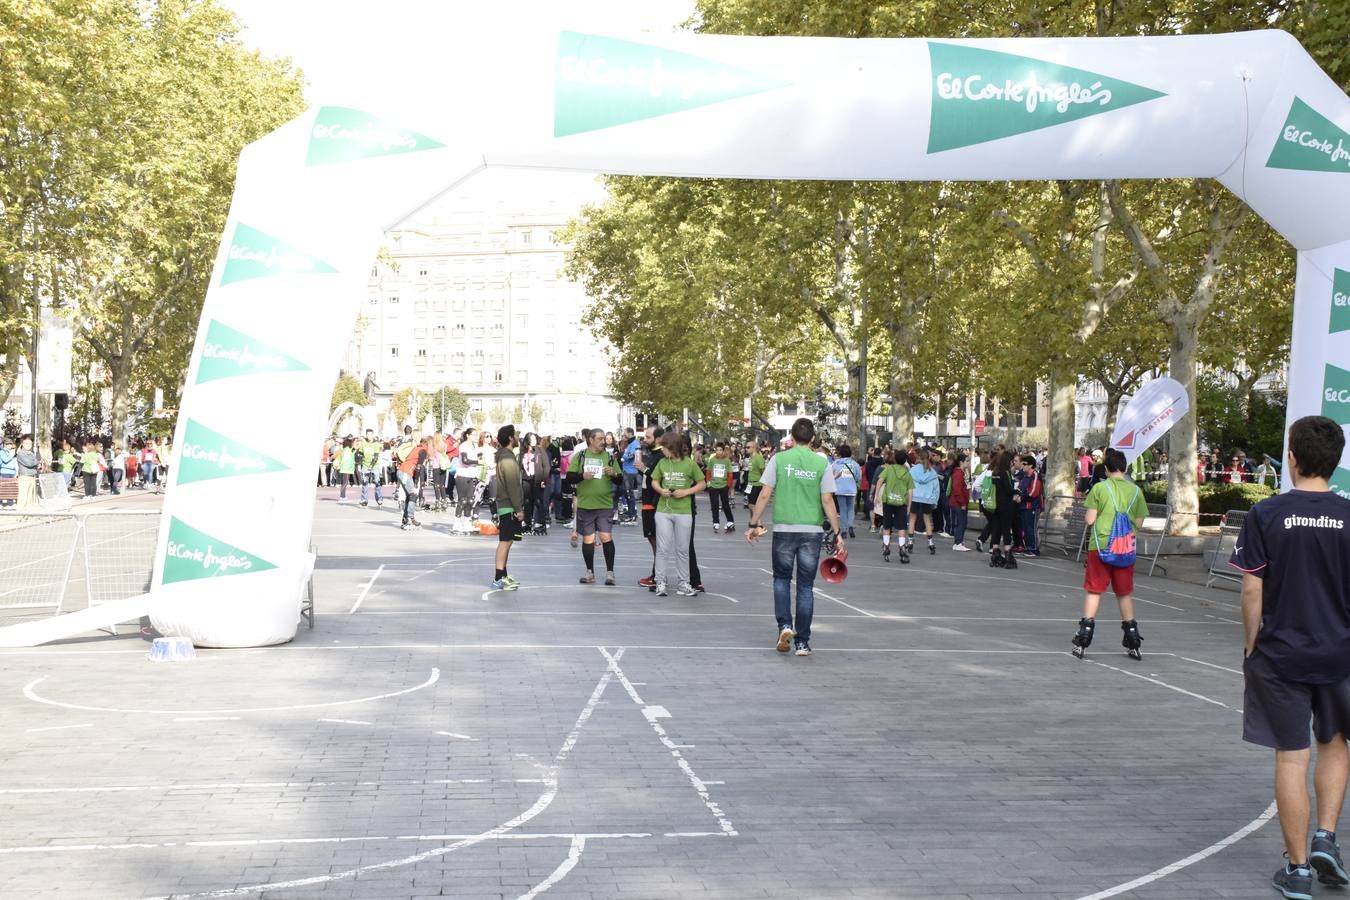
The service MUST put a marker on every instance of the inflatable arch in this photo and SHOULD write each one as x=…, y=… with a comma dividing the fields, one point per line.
x=313, y=198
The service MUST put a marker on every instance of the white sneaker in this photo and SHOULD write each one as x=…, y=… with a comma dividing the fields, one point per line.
x=685, y=590
x=717, y=529
x=785, y=640
x=661, y=589
x=961, y=548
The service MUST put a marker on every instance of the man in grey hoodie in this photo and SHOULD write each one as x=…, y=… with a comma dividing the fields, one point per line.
x=28, y=463
x=510, y=505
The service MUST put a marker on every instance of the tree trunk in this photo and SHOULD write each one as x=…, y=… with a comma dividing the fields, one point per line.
x=857, y=394
x=120, y=388
x=9, y=375
x=1113, y=398
x=1182, y=483
x=1061, y=469
x=902, y=414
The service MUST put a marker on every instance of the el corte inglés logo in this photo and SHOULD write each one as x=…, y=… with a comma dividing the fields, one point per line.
x=254, y=254
x=192, y=554
x=983, y=95
x=1310, y=142
x=1336, y=395
x=228, y=353
x=343, y=135
x=1340, y=301
x=1340, y=482
x=602, y=82
x=206, y=454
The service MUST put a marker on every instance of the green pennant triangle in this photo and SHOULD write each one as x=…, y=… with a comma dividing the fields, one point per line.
x=206, y=454
x=228, y=353
x=983, y=95
x=1340, y=301
x=1336, y=395
x=255, y=254
x=603, y=82
x=1310, y=142
x=1340, y=482
x=343, y=135
x=192, y=554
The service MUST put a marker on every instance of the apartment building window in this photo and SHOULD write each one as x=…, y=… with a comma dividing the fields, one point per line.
x=497, y=377
x=438, y=359
x=438, y=304
x=393, y=299
x=497, y=359
x=374, y=301
x=457, y=304
x=457, y=360
x=422, y=353
x=476, y=303
x=519, y=377
x=420, y=306
x=476, y=332
x=422, y=272
x=393, y=351
x=498, y=330
x=419, y=332
x=438, y=332
x=459, y=329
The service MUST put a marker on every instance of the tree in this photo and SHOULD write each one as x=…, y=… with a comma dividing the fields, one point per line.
x=448, y=404
x=347, y=390
x=536, y=414
x=1228, y=418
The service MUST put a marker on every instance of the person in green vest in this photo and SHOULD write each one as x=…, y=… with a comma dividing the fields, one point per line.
x=719, y=468
x=90, y=461
x=66, y=458
x=756, y=472
x=346, y=466
x=593, y=472
x=368, y=461
x=799, y=482
x=893, y=492
x=676, y=479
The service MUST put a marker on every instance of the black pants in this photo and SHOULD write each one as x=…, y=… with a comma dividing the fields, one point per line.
x=721, y=497
x=90, y=484
x=695, y=577
x=1003, y=526
x=988, y=530
x=754, y=495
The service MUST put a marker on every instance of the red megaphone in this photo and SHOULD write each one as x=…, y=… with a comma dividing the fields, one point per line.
x=833, y=569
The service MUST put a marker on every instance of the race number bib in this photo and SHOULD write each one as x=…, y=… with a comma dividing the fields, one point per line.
x=593, y=467
x=719, y=471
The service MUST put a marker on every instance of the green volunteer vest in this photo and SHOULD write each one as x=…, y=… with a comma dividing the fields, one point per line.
x=796, y=494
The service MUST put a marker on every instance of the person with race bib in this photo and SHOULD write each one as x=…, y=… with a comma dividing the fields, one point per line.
x=593, y=472
x=799, y=483
x=368, y=463
x=720, y=471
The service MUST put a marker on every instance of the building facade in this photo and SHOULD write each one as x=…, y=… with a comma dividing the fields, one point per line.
x=469, y=293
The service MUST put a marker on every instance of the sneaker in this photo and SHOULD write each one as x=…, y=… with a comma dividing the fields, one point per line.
x=1326, y=859
x=1293, y=882
x=609, y=579
x=979, y=546
x=686, y=590
x=379, y=503
x=504, y=584
x=932, y=547
x=661, y=589
x=698, y=588
x=803, y=648
x=406, y=526
x=960, y=548
x=588, y=578
x=647, y=582
x=731, y=526
x=904, y=557
x=416, y=524
x=886, y=553
x=785, y=639
x=511, y=580
x=365, y=503
x=717, y=529
x=851, y=535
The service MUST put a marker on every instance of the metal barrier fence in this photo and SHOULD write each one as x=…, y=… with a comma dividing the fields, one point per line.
x=1063, y=527
x=1230, y=526
x=66, y=560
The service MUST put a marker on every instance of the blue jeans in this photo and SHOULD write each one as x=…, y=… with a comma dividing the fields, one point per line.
x=1029, y=542
x=409, y=487
x=958, y=516
x=370, y=477
x=632, y=487
x=846, y=504
x=800, y=549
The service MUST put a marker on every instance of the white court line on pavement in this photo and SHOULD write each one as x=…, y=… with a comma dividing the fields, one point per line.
x=662, y=614
x=545, y=799
x=1188, y=861
x=346, y=721
x=31, y=694
x=835, y=599
x=365, y=590
x=573, y=855
x=58, y=727
x=1201, y=662
x=1160, y=683
x=700, y=786
x=247, y=785
x=462, y=737
x=208, y=719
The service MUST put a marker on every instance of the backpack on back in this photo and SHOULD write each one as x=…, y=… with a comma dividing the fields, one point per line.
x=988, y=498
x=1121, y=543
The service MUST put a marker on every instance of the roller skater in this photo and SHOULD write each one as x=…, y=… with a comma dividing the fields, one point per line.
x=1083, y=639
x=893, y=491
x=1115, y=508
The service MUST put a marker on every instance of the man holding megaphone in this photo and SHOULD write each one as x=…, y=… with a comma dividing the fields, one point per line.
x=800, y=483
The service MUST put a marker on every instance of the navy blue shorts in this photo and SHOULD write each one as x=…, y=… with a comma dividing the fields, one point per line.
x=1276, y=712
x=893, y=517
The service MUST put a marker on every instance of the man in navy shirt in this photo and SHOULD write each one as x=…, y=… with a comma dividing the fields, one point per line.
x=1294, y=551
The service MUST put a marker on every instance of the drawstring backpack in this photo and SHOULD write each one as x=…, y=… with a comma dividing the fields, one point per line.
x=1120, y=545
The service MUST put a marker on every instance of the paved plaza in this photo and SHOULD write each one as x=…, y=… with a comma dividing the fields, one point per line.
x=431, y=738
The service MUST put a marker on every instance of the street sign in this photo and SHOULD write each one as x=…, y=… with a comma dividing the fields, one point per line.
x=979, y=426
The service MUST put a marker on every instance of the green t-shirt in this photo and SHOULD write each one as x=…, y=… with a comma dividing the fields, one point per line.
x=798, y=477
x=718, y=471
x=1109, y=497
x=756, y=469
x=896, y=483
x=370, y=453
x=67, y=461
x=676, y=475
x=346, y=461
x=89, y=462
x=595, y=492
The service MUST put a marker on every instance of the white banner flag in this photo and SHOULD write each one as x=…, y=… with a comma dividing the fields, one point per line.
x=1148, y=416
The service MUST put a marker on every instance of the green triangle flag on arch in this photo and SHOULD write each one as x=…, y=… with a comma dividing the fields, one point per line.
x=602, y=82
x=341, y=134
x=1336, y=395
x=1340, y=302
x=256, y=254
x=228, y=353
x=206, y=454
x=191, y=554
x=1310, y=142
x=1340, y=482
x=982, y=95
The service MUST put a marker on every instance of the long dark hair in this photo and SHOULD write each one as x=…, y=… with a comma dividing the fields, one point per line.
x=1002, y=464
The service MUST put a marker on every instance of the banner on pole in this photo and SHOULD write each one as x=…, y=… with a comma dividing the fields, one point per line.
x=1153, y=410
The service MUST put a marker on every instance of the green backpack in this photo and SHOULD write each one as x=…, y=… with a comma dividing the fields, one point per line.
x=988, y=498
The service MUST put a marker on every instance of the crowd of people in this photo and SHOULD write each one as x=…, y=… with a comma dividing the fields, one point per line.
x=94, y=466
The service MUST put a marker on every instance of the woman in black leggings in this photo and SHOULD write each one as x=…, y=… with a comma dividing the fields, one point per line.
x=1005, y=513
